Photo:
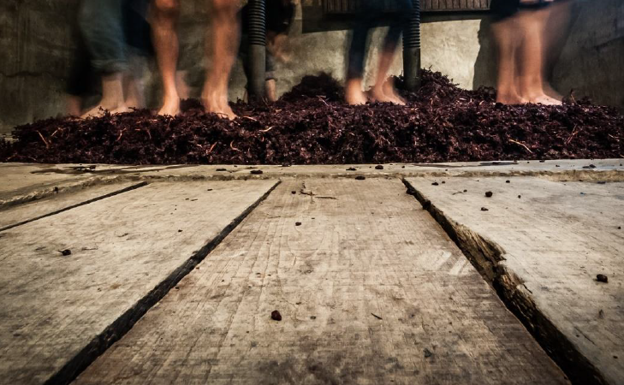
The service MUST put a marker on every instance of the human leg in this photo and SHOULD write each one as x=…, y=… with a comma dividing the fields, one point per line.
x=101, y=24
x=507, y=42
x=165, y=34
x=555, y=36
x=355, y=68
x=383, y=90
x=225, y=34
x=530, y=57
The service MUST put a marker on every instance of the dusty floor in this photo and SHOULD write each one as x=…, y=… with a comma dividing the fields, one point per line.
x=174, y=274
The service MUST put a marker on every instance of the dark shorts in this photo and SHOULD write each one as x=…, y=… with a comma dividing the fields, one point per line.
x=502, y=9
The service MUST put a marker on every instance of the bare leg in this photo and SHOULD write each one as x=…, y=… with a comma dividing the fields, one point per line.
x=557, y=28
x=383, y=91
x=271, y=91
x=165, y=19
x=182, y=87
x=225, y=34
x=74, y=105
x=505, y=35
x=133, y=83
x=134, y=92
x=530, y=56
x=112, y=96
x=353, y=92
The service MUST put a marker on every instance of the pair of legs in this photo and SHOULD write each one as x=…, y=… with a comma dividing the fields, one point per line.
x=523, y=55
x=225, y=39
x=102, y=26
x=383, y=90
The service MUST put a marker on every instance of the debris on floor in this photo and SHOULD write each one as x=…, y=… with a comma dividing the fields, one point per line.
x=276, y=316
x=312, y=125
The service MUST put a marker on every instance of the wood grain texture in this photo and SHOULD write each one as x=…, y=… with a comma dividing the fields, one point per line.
x=370, y=288
x=554, y=238
x=30, y=211
x=122, y=248
x=21, y=180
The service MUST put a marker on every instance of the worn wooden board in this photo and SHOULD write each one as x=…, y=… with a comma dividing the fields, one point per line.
x=19, y=181
x=57, y=312
x=370, y=288
x=50, y=205
x=552, y=241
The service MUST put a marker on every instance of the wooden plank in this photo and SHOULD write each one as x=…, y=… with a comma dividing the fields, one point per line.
x=28, y=212
x=546, y=242
x=370, y=289
x=58, y=312
x=21, y=180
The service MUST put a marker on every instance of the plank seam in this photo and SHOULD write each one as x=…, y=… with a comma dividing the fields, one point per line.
x=486, y=256
x=116, y=330
x=111, y=194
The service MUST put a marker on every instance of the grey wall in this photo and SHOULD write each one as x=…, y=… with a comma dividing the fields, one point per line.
x=36, y=46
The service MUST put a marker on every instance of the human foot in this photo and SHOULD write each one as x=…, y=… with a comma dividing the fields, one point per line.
x=354, y=94
x=510, y=98
x=219, y=105
x=171, y=107
x=390, y=92
x=551, y=92
x=378, y=95
x=545, y=100
x=102, y=108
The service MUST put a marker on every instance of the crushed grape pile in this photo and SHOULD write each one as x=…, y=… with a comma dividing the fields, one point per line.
x=312, y=125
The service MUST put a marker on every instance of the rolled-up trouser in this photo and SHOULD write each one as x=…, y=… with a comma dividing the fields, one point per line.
x=101, y=23
x=366, y=18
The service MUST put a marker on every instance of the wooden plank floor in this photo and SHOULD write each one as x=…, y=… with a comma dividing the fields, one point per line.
x=555, y=238
x=56, y=310
x=370, y=288
x=22, y=180
x=30, y=211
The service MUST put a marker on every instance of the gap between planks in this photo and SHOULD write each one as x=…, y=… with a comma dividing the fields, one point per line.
x=54, y=212
x=485, y=256
x=72, y=369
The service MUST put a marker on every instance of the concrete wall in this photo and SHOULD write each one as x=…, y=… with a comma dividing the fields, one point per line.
x=36, y=44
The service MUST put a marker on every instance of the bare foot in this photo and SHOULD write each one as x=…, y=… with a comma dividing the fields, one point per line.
x=101, y=109
x=390, y=92
x=73, y=106
x=183, y=89
x=378, y=95
x=551, y=92
x=510, y=99
x=218, y=105
x=354, y=94
x=545, y=100
x=171, y=107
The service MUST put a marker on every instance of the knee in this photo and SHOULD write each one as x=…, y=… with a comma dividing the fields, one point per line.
x=167, y=7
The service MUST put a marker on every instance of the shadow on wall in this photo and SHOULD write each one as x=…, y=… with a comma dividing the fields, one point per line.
x=485, y=64
x=592, y=59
